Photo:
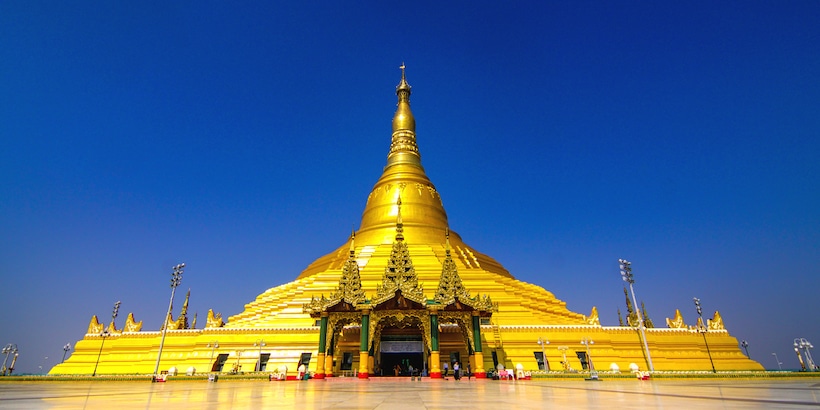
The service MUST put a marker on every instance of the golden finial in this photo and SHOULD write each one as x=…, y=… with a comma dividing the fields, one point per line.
x=399, y=224
x=403, y=89
x=352, y=240
x=447, y=240
x=403, y=148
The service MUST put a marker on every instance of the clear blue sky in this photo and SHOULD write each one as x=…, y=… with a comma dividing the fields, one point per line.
x=243, y=139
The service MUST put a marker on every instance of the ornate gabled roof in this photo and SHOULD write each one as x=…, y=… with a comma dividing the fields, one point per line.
x=315, y=306
x=350, y=285
x=450, y=287
x=399, y=275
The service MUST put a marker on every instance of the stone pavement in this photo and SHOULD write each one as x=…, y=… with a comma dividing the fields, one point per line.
x=396, y=394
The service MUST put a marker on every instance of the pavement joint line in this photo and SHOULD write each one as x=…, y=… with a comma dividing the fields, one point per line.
x=683, y=396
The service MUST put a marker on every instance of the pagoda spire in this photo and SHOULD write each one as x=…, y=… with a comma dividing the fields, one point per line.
x=403, y=148
x=423, y=216
x=182, y=320
x=399, y=275
x=449, y=285
x=350, y=285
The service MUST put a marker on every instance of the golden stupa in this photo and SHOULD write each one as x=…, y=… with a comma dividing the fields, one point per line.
x=425, y=297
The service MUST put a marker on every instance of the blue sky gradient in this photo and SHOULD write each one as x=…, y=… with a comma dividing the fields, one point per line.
x=243, y=139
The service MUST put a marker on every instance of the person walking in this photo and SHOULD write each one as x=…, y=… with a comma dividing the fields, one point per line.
x=469, y=372
x=456, y=369
x=446, y=369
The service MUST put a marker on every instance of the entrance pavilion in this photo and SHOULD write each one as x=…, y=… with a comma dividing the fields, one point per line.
x=399, y=327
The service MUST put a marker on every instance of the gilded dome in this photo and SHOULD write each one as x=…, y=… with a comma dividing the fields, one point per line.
x=423, y=215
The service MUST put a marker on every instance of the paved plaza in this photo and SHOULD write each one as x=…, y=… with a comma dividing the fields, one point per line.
x=396, y=394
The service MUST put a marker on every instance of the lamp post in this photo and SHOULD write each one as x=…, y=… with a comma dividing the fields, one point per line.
x=260, y=343
x=214, y=344
x=593, y=374
x=800, y=358
x=176, y=278
x=779, y=363
x=745, y=345
x=10, y=348
x=626, y=275
x=802, y=343
x=13, y=361
x=702, y=329
x=543, y=343
x=66, y=348
x=105, y=333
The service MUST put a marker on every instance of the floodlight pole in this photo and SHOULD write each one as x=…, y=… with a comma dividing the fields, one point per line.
x=745, y=346
x=104, y=334
x=66, y=348
x=176, y=278
x=626, y=274
x=702, y=329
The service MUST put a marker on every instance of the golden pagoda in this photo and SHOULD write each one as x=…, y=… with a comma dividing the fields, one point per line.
x=404, y=291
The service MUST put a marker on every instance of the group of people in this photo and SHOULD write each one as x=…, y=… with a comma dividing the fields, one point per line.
x=410, y=371
x=456, y=371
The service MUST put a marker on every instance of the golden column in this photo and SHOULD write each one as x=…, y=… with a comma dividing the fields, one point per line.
x=329, y=362
x=479, y=371
x=364, y=354
x=435, y=359
x=320, y=357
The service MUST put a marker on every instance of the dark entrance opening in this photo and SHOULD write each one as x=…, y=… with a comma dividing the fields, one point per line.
x=305, y=359
x=347, y=361
x=399, y=353
x=582, y=356
x=263, y=361
x=220, y=362
x=390, y=361
x=539, y=358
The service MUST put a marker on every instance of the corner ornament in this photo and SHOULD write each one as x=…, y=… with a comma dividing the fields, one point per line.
x=593, y=318
x=95, y=327
x=677, y=322
x=716, y=322
x=132, y=325
x=214, y=320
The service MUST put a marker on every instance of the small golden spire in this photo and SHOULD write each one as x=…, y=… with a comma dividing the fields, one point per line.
x=352, y=240
x=399, y=224
x=447, y=240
